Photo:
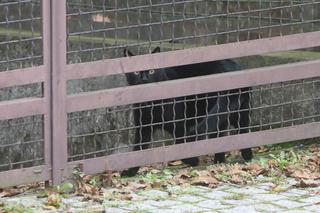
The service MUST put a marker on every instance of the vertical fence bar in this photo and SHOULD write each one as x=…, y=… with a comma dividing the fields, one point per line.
x=58, y=90
x=46, y=44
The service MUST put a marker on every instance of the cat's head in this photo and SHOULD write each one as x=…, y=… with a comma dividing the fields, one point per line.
x=146, y=76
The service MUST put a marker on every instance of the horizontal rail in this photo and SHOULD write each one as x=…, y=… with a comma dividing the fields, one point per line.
x=22, y=76
x=210, y=146
x=193, y=55
x=21, y=108
x=190, y=86
x=24, y=176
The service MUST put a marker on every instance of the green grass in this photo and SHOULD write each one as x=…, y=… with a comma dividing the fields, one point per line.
x=297, y=54
x=239, y=196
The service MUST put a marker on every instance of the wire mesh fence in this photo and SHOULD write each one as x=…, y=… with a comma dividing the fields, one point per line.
x=21, y=139
x=100, y=29
x=22, y=143
x=20, y=34
x=191, y=118
x=107, y=29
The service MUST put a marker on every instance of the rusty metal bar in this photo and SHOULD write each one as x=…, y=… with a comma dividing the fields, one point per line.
x=183, y=87
x=194, y=55
x=21, y=108
x=22, y=76
x=46, y=41
x=24, y=176
x=59, y=115
x=209, y=146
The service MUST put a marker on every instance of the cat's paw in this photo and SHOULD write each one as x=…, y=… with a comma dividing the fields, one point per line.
x=246, y=154
x=219, y=158
x=191, y=161
x=130, y=172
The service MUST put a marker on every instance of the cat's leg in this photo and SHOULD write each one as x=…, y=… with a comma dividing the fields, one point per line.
x=220, y=157
x=179, y=131
x=241, y=121
x=142, y=136
x=245, y=123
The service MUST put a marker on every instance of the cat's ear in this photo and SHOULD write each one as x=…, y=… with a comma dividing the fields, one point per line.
x=127, y=53
x=156, y=50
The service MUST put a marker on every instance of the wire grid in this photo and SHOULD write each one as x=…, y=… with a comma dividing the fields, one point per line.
x=20, y=34
x=107, y=131
x=101, y=29
x=21, y=143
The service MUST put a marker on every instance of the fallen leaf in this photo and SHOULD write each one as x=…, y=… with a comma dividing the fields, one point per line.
x=183, y=174
x=155, y=171
x=203, y=173
x=122, y=196
x=304, y=174
x=236, y=170
x=134, y=186
x=278, y=189
x=314, y=148
x=308, y=183
x=175, y=163
x=263, y=149
x=10, y=192
x=205, y=181
x=54, y=200
x=48, y=207
x=156, y=184
x=236, y=179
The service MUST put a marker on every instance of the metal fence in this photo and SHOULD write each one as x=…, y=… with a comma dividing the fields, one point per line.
x=66, y=102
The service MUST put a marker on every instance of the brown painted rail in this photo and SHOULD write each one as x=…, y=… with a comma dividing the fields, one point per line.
x=205, y=147
x=184, y=87
x=194, y=55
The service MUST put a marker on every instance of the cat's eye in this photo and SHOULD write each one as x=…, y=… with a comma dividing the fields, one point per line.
x=136, y=73
x=151, y=72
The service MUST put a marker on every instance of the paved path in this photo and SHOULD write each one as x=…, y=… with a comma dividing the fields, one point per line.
x=260, y=197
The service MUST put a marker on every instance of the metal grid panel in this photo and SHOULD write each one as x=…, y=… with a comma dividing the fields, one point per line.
x=21, y=143
x=101, y=29
x=114, y=130
x=20, y=34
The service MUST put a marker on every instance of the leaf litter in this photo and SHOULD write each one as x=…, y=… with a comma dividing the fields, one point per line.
x=302, y=165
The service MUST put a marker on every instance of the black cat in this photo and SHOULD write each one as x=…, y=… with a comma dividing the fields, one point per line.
x=180, y=116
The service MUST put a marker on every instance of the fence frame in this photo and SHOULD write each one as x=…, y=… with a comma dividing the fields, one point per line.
x=55, y=72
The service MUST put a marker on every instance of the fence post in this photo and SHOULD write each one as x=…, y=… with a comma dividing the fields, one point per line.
x=58, y=91
x=46, y=47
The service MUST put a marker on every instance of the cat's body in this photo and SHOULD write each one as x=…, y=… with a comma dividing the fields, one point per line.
x=180, y=116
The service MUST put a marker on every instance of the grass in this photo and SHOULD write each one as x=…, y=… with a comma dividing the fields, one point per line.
x=15, y=208
x=297, y=54
x=239, y=196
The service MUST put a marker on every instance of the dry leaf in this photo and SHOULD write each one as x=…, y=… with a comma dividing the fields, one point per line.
x=205, y=181
x=236, y=169
x=236, y=179
x=10, y=192
x=156, y=184
x=48, y=207
x=184, y=174
x=134, y=186
x=278, y=189
x=122, y=196
x=262, y=149
x=304, y=174
x=255, y=169
x=308, y=183
x=314, y=148
x=175, y=163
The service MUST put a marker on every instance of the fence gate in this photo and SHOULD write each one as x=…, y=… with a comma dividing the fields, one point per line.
x=66, y=103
